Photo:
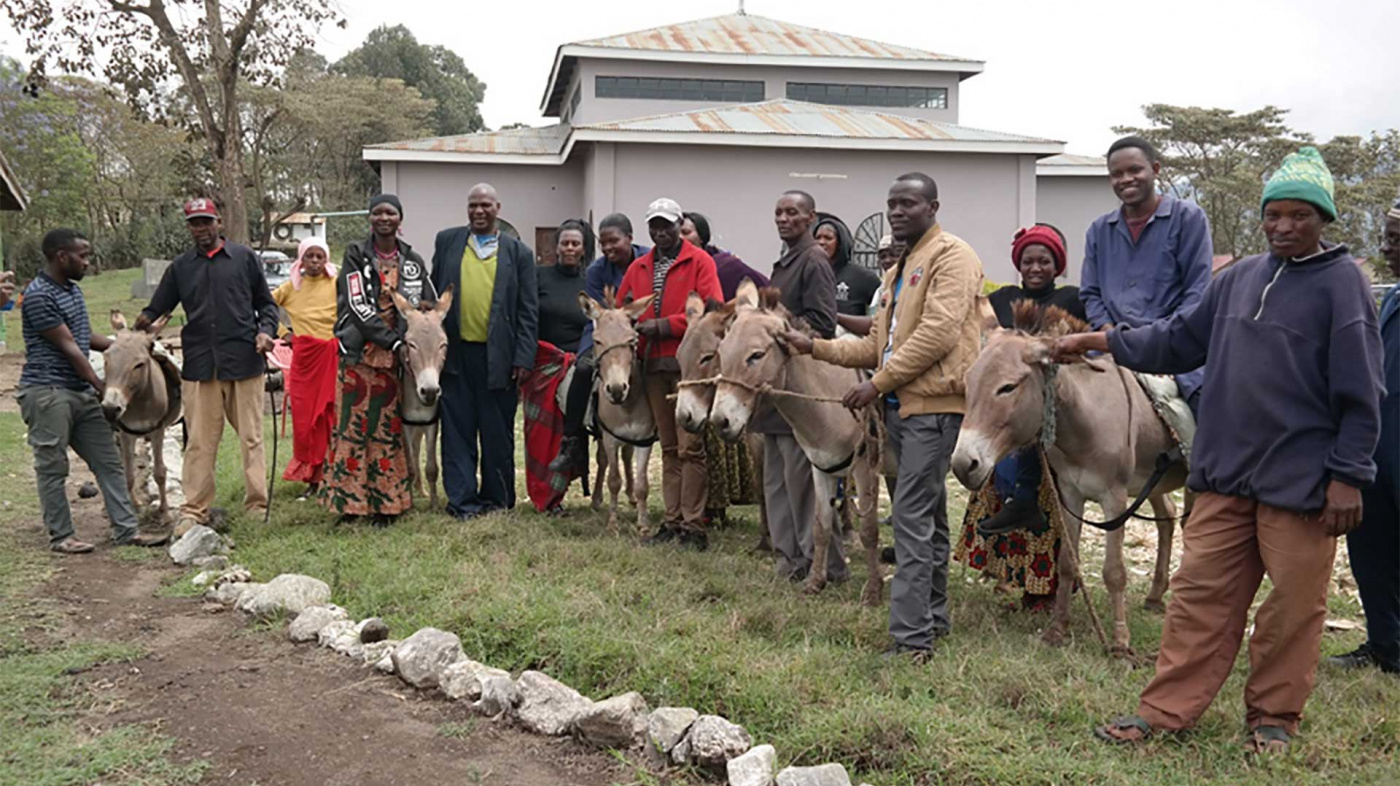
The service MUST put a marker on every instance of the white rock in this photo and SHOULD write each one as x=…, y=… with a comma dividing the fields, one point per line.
x=462, y=680
x=376, y=651
x=199, y=541
x=333, y=632
x=498, y=696
x=754, y=768
x=203, y=577
x=213, y=563
x=290, y=593
x=231, y=592
x=619, y=722
x=666, y=726
x=385, y=664
x=825, y=775
x=309, y=623
x=420, y=659
x=548, y=706
x=347, y=643
x=711, y=742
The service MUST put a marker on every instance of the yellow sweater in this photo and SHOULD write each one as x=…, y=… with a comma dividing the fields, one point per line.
x=312, y=308
x=478, y=285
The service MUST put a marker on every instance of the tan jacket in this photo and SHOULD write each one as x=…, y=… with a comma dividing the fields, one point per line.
x=937, y=328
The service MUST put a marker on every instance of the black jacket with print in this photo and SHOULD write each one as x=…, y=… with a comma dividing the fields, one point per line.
x=357, y=320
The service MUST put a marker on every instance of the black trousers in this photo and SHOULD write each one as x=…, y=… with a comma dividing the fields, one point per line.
x=1374, y=548
x=477, y=424
x=576, y=402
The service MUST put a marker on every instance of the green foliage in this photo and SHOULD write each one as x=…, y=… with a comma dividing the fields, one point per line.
x=436, y=71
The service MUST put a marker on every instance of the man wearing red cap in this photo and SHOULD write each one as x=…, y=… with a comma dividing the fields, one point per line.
x=230, y=319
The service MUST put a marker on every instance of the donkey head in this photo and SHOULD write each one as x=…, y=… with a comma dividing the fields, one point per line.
x=753, y=353
x=698, y=355
x=128, y=366
x=425, y=344
x=614, y=342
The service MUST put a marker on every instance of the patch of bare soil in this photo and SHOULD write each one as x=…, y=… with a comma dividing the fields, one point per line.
x=262, y=710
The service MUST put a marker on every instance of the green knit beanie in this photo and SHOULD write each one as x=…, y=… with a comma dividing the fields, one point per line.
x=1305, y=177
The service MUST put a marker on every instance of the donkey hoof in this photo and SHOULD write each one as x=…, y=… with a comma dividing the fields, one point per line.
x=872, y=596
x=1156, y=605
x=813, y=586
x=1053, y=637
x=1123, y=652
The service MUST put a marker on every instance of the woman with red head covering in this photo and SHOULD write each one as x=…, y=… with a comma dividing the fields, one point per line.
x=1012, y=528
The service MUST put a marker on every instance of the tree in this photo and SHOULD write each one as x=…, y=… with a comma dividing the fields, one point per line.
x=437, y=72
x=208, y=49
x=1366, y=171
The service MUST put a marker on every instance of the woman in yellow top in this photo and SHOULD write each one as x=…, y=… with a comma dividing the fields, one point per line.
x=309, y=298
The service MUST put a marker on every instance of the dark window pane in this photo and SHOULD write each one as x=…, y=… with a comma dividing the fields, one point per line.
x=836, y=94
x=753, y=91
x=713, y=90
x=605, y=87
x=669, y=88
x=876, y=96
x=797, y=91
x=898, y=96
x=692, y=90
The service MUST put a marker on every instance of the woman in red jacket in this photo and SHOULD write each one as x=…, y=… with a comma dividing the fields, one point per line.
x=675, y=268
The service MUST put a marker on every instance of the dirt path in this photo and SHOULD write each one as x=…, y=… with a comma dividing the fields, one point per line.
x=262, y=710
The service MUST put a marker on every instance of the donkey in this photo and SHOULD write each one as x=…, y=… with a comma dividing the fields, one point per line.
x=1107, y=438
x=623, y=411
x=425, y=353
x=698, y=355
x=142, y=398
x=754, y=357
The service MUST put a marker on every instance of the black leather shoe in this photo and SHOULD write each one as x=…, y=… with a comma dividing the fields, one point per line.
x=571, y=457
x=694, y=540
x=1363, y=657
x=1015, y=514
x=663, y=535
x=918, y=655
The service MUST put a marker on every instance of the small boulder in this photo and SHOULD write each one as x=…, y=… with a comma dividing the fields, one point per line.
x=376, y=651
x=498, y=696
x=711, y=742
x=215, y=563
x=290, y=593
x=372, y=630
x=462, y=680
x=203, y=577
x=347, y=643
x=231, y=592
x=199, y=541
x=666, y=726
x=825, y=775
x=548, y=706
x=754, y=768
x=333, y=632
x=308, y=624
x=420, y=659
x=88, y=490
x=619, y=722
x=385, y=664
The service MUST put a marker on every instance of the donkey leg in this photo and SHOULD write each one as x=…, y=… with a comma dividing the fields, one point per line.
x=822, y=530
x=431, y=444
x=1165, y=510
x=641, y=485
x=602, y=476
x=1054, y=634
x=867, y=482
x=1115, y=579
x=127, y=443
x=629, y=454
x=615, y=470
x=756, y=460
x=158, y=472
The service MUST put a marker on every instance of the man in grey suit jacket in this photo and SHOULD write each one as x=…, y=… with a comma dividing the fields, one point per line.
x=491, y=332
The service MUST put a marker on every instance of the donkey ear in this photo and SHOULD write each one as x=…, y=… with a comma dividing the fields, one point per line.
x=694, y=308
x=637, y=308
x=591, y=308
x=401, y=302
x=1039, y=353
x=444, y=303
x=746, y=297
x=118, y=319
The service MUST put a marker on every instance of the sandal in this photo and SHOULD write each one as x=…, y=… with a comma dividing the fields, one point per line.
x=72, y=546
x=1124, y=724
x=1268, y=739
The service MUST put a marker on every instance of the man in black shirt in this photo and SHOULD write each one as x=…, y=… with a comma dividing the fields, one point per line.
x=230, y=319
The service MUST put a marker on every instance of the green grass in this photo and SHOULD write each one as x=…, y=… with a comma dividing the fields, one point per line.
x=46, y=736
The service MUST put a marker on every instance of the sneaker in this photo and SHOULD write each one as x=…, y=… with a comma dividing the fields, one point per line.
x=692, y=539
x=571, y=457
x=1017, y=513
x=381, y=521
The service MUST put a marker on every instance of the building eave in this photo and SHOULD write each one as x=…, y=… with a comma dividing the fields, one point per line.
x=1043, y=170
x=553, y=92
x=449, y=157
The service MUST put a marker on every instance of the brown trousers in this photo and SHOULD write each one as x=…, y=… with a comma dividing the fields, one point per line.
x=207, y=405
x=684, y=478
x=1230, y=544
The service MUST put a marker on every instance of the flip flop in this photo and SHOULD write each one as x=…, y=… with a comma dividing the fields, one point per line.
x=1262, y=740
x=1124, y=723
x=72, y=546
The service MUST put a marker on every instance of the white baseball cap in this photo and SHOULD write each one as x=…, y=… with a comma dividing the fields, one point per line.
x=665, y=208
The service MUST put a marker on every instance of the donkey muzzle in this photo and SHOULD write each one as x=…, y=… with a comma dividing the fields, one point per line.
x=973, y=461
x=113, y=405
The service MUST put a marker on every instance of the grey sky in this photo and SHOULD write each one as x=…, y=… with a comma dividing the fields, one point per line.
x=1067, y=70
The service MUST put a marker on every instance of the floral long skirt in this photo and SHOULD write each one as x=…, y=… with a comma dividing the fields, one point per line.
x=367, y=465
x=731, y=473
x=1020, y=557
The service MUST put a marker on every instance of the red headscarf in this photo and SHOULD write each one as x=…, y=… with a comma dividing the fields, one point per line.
x=1043, y=236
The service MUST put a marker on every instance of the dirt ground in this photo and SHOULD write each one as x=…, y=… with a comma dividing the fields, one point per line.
x=261, y=710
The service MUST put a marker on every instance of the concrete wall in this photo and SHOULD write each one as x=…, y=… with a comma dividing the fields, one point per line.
x=435, y=196
x=1072, y=203
x=596, y=110
x=985, y=198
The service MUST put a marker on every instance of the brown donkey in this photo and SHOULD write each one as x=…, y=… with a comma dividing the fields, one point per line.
x=623, y=411
x=753, y=360
x=142, y=398
x=425, y=353
x=1107, y=438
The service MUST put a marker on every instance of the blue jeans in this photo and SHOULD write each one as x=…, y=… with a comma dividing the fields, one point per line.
x=1018, y=476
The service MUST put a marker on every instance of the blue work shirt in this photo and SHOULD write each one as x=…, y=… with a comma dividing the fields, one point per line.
x=1137, y=283
x=602, y=273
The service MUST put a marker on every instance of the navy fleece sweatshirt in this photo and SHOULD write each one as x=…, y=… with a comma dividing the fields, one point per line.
x=1292, y=391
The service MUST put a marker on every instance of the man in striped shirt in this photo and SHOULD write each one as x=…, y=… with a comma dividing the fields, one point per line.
x=59, y=395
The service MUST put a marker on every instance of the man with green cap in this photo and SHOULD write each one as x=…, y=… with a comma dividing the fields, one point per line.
x=1290, y=418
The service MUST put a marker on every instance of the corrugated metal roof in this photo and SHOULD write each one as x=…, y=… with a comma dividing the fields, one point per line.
x=1070, y=159
x=546, y=141
x=745, y=34
x=798, y=118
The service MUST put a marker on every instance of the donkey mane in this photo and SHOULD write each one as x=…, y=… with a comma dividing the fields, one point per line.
x=1054, y=321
